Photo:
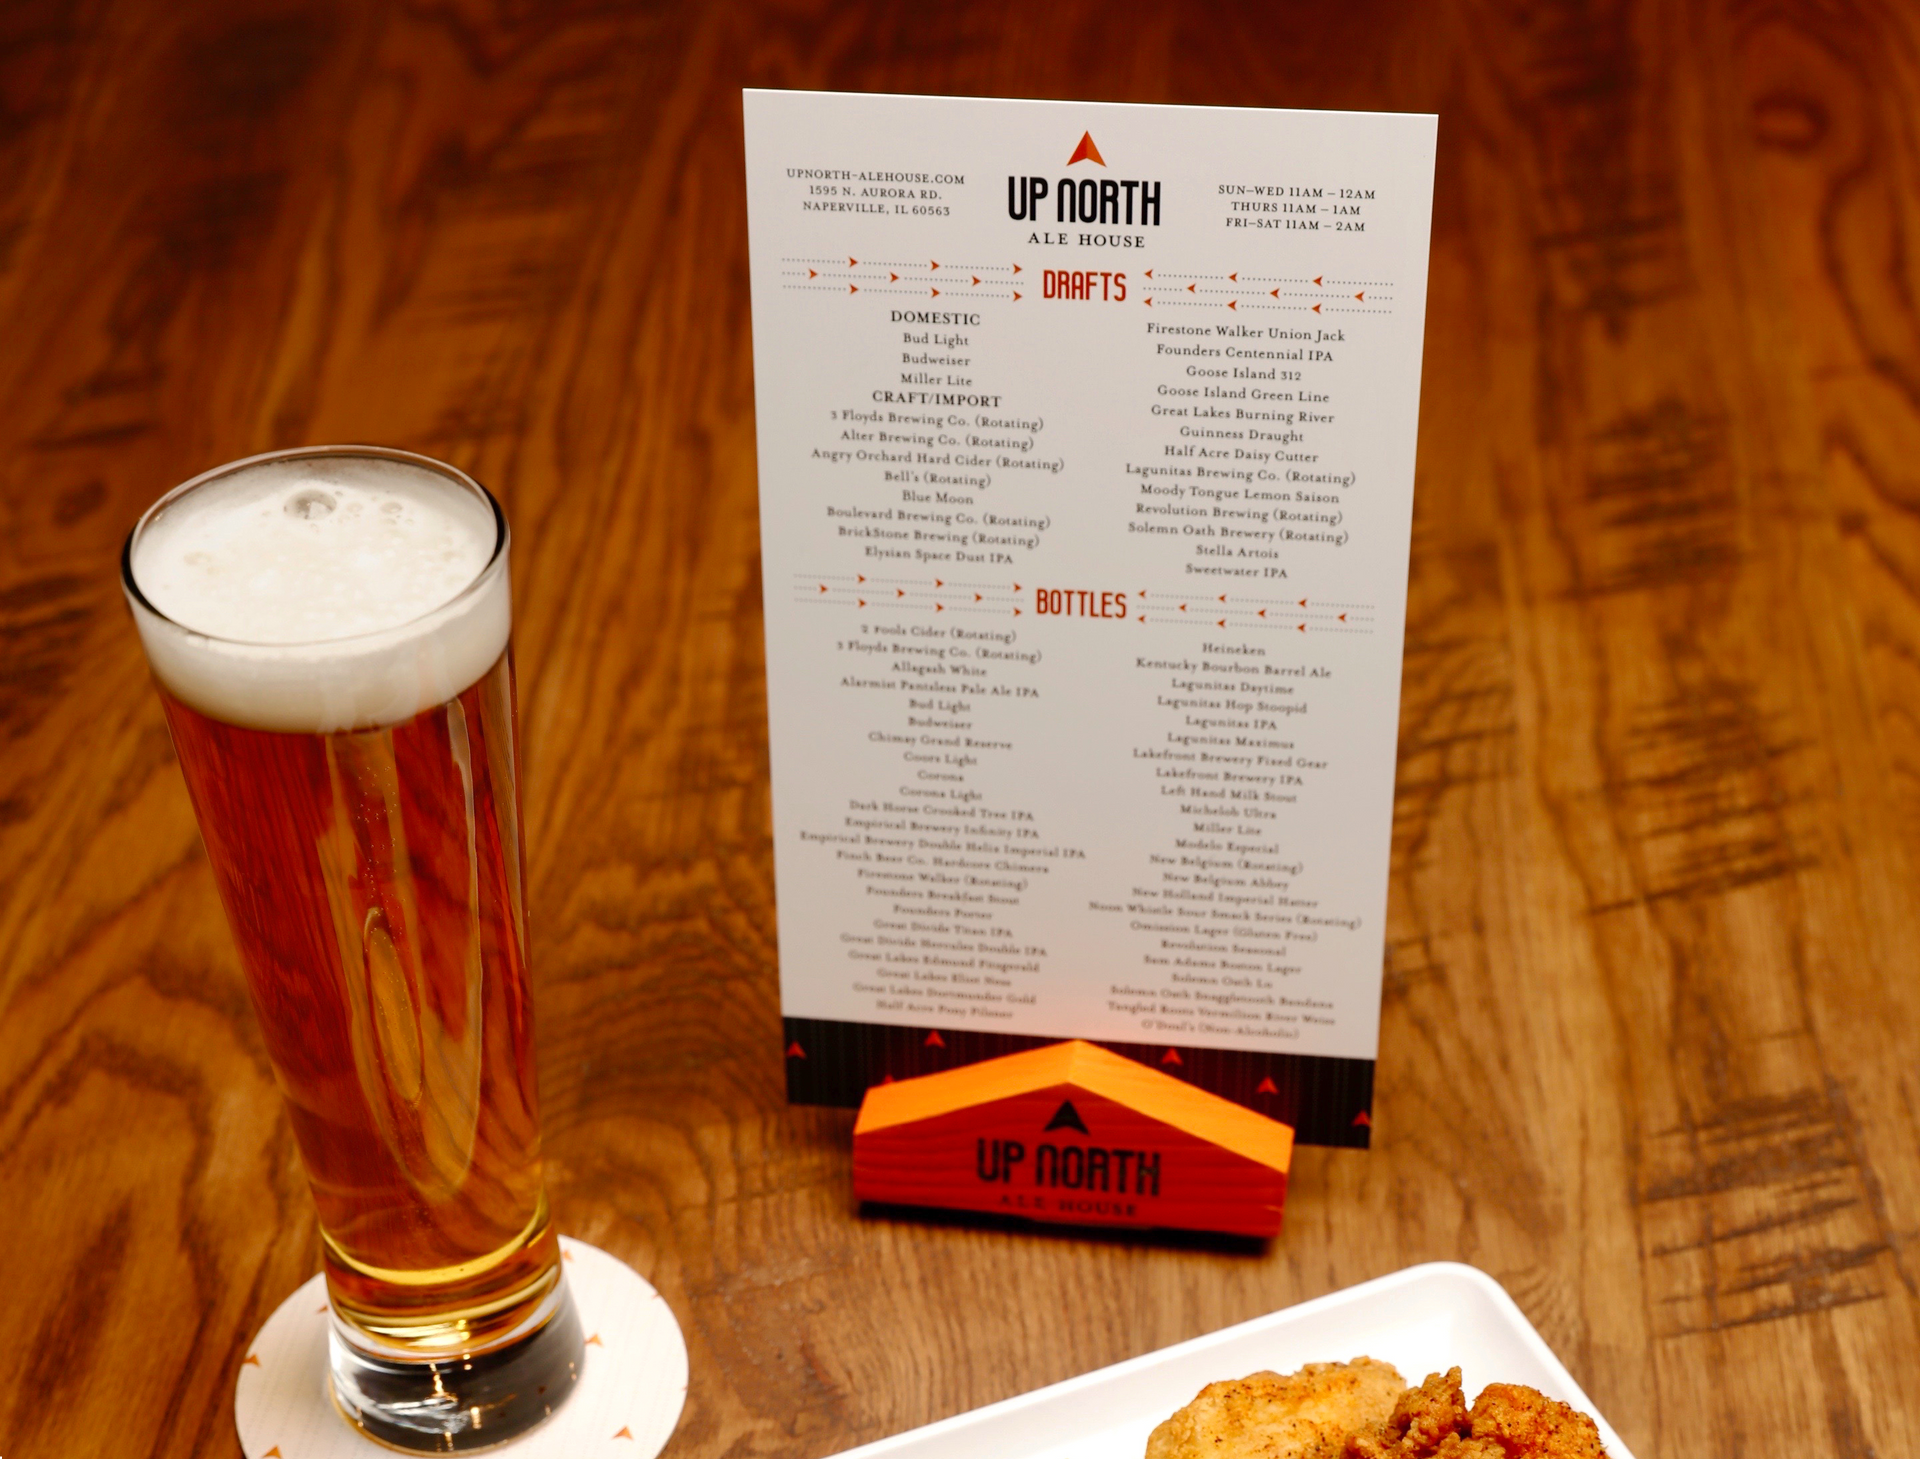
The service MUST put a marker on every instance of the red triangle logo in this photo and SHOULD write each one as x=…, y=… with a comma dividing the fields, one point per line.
x=1086, y=151
x=1361, y=1119
x=934, y=1041
x=1172, y=1056
x=794, y=1051
x=1267, y=1086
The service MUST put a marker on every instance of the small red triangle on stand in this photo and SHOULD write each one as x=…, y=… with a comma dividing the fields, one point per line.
x=794, y=1051
x=934, y=1041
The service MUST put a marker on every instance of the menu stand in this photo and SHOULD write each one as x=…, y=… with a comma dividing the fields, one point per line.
x=1072, y=1133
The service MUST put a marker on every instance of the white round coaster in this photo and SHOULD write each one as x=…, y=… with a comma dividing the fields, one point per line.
x=625, y=1405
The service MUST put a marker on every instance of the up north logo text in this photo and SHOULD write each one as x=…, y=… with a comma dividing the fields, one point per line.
x=1075, y=1176
x=1102, y=201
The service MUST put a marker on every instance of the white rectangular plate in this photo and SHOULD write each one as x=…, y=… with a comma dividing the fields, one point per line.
x=1422, y=1320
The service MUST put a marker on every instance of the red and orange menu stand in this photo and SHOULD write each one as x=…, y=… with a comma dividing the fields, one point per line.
x=1073, y=1133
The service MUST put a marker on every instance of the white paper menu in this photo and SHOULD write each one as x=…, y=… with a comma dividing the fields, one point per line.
x=1086, y=451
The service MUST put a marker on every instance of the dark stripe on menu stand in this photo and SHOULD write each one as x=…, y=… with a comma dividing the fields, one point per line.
x=1327, y=1101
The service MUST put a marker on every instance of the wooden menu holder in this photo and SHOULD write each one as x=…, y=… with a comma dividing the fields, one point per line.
x=1072, y=1133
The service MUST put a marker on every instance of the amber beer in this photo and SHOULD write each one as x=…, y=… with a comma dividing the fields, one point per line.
x=329, y=632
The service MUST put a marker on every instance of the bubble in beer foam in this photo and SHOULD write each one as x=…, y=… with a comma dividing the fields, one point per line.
x=308, y=550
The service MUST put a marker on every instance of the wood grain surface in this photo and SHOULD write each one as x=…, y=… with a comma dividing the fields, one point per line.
x=1653, y=994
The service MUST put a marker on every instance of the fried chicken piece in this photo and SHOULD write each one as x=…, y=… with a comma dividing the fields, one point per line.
x=1526, y=1424
x=1505, y=1422
x=1303, y=1415
x=1422, y=1419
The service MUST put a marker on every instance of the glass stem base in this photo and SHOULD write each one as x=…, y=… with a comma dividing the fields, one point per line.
x=459, y=1403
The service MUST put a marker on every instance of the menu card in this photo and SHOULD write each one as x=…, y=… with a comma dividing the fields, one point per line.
x=1086, y=446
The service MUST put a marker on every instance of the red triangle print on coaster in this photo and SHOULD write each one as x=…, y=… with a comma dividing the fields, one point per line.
x=1267, y=1086
x=1172, y=1056
x=934, y=1041
x=1363, y=1119
x=794, y=1051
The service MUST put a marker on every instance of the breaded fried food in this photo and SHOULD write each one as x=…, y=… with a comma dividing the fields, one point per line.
x=1305, y=1415
x=1526, y=1424
x=1423, y=1418
x=1505, y=1422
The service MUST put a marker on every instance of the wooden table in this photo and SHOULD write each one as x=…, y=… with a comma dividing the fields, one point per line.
x=1652, y=999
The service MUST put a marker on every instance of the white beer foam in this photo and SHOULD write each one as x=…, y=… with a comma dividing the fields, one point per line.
x=320, y=592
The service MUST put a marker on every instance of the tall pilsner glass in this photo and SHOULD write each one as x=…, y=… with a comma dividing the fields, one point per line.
x=329, y=632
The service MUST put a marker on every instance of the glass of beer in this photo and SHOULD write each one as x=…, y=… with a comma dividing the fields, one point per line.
x=329, y=631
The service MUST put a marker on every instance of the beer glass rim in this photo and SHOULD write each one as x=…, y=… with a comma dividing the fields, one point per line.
x=383, y=453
